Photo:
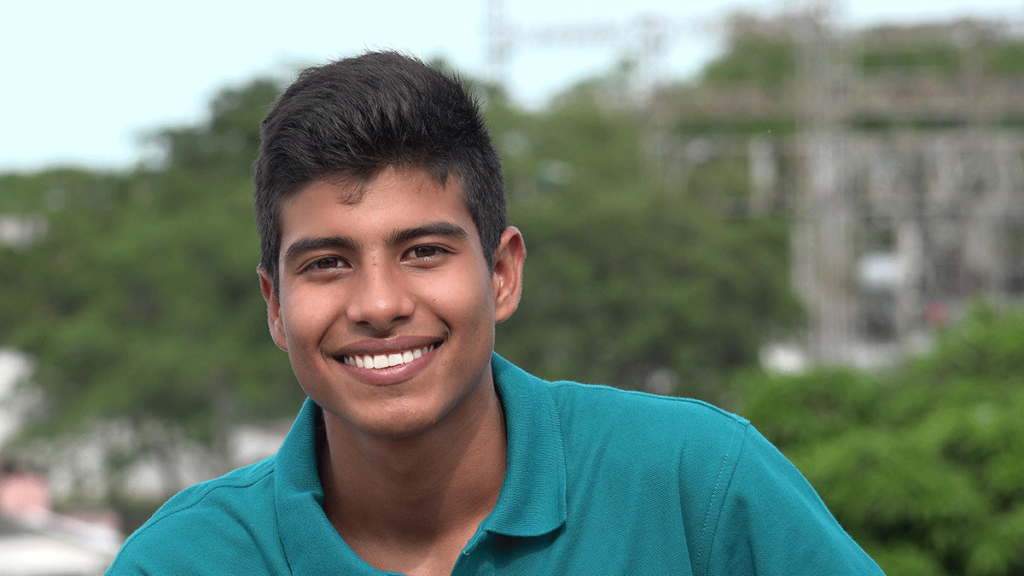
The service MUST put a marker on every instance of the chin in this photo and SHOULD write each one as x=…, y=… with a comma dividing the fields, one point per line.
x=392, y=422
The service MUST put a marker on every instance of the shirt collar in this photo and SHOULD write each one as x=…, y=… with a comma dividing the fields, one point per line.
x=533, y=496
x=310, y=542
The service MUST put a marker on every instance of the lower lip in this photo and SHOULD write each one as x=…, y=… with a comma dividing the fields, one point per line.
x=393, y=374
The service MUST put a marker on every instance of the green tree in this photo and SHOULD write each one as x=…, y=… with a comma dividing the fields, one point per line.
x=627, y=283
x=922, y=465
x=141, y=304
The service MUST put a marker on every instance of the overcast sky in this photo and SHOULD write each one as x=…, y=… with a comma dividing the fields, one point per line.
x=80, y=81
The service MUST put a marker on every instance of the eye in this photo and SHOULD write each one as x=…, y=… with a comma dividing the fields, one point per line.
x=426, y=252
x=327, y=263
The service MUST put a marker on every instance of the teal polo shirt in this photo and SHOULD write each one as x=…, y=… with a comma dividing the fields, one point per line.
x=599, y=481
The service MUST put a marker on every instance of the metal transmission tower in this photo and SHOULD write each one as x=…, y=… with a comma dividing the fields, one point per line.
x=822, y=247
x=499, y=39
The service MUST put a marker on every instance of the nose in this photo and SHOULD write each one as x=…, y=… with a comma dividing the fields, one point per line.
x=379, y=298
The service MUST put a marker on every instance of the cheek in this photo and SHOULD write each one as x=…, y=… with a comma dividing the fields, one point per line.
x=306, y=313
x=467, y=301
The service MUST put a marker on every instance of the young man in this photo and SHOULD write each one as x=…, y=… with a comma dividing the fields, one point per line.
x=387, y=259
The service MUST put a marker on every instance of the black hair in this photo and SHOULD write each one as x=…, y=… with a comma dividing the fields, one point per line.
x=355, y=117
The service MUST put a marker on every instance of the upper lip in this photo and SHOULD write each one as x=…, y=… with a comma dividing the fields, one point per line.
x=375, y=346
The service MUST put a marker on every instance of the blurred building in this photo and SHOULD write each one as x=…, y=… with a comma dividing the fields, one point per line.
x=897, y=153
x=36, y=541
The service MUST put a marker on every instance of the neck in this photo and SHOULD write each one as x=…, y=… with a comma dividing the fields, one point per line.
x=416, y=492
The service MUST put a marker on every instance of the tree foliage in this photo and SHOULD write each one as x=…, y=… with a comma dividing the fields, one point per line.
x=140, y=303
x=922, y=465
x=620, y=293
x=627, y=282
x=765, y=60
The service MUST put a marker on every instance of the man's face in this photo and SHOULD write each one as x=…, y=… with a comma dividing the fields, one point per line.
x=386, y=306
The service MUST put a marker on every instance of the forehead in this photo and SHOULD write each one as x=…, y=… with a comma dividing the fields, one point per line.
x=393, y=199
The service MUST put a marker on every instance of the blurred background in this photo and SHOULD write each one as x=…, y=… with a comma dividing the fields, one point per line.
x=808, y=213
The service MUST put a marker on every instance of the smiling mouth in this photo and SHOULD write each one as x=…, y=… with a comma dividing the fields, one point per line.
x=377, y=361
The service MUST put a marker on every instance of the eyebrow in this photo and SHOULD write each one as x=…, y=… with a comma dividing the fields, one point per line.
x=446, y=229
x=304, y=245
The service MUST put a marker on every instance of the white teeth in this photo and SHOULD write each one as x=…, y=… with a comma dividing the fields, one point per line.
x=387, y=360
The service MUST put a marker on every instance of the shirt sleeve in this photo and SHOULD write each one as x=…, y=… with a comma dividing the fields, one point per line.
x=772, y=522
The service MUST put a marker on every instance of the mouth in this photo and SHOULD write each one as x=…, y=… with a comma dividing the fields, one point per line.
x=379, y=361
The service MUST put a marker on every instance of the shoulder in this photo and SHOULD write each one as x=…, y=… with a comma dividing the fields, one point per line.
x=213, y=498
x=614, y=441
x=596, y=396
x=240, y=483
x=592, y=417
x=211, y=521
x=681, y=466
x=607, y=406
x=686, y=446
x=640, y=414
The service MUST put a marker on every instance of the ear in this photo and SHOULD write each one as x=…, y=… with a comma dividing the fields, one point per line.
x=508, y=273
x=274, y=320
